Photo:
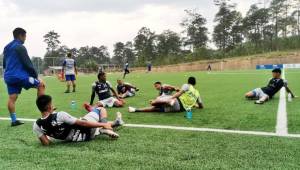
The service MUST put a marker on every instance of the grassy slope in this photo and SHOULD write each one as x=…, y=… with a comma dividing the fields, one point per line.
x=293, y=108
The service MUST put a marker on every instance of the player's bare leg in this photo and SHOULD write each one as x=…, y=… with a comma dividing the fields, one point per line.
x=250, y=95
x=41, y=88
x=68, y=87
x=74, y=86
x=146, y=109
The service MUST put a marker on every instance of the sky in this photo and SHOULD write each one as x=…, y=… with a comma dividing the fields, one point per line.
x=97, y=22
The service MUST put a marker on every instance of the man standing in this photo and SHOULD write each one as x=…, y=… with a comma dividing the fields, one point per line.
x=126, y=69
x=19, y=72
x=69, y=69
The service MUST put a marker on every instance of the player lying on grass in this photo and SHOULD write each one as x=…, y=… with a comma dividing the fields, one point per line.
x=187, y=98
x=63, y=126
x=19, y=72
x=103, y=89
x=125, y=89
x=165, y=89
x=263, y=94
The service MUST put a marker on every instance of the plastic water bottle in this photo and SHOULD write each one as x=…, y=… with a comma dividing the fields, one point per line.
x=290, y=97
x=73, y=104
x=189, y=114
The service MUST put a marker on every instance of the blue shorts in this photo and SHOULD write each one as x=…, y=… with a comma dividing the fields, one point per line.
x=15, y=86
x=70, y=77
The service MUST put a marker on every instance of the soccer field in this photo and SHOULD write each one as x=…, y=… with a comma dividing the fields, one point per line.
x=146, y=148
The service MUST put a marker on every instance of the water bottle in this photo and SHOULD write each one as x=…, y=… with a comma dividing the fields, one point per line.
x=73, y=104
x=290, y=97
x=189, y=114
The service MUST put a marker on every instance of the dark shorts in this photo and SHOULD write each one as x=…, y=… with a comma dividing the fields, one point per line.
x=15, y=86
x=70, y=77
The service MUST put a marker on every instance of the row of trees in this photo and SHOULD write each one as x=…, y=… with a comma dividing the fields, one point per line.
x=267, y=28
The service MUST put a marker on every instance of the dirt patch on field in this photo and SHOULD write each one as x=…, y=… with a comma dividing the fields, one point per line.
x=244, y=63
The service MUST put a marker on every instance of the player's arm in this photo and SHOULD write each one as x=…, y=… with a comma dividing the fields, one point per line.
x=93, y=95
x=199, y=104
x=130, y=86
x=288, y=90
x=90, y=124
x=63, y=67
x=178, y=94
x=75, y=68
x=114, y=93
x=44, y=140
x=172, y=88
x=25, y=60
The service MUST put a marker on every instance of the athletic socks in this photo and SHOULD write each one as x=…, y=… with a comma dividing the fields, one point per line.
x=13, y=117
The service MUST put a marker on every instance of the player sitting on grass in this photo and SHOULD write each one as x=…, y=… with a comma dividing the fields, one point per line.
x=164, y=89
x=19, y=72
x=63, y=126
x=125, y=89
x=263, y=94
x=187, y=98
x=103, y=89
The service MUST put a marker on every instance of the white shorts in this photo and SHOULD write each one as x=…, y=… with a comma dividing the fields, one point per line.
x=167, y=109
x=109, y=102
x=93, y=117
x=259, y=93
x=129, y=93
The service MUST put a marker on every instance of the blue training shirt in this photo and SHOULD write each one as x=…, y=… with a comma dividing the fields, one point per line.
x=17, y=63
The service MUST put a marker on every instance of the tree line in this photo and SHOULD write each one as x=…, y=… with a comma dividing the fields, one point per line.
x=264, y=28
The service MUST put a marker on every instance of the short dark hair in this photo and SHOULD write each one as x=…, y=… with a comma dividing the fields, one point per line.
x=101, y=73
x=192, y=80
x=42, y=102
x=276, y=70
x=18, y=31
x=69, y=55
x=158, y=82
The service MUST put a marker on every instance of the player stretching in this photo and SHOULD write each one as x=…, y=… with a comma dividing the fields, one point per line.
x=63, y=126
x=102, y=88
x=125, y=89
x=261, y=95
x=69, y=69
x=19, y=72
x=126, y=69
x=164, y=89
x=187, y=98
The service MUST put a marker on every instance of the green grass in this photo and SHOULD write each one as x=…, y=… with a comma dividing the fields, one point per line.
x=225, y=108
x=293, y=108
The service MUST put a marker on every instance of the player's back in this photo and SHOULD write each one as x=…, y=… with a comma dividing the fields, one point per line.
x=13, y=66
x=69, y=64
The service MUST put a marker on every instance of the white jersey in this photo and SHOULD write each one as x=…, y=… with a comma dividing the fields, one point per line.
x=69, y=65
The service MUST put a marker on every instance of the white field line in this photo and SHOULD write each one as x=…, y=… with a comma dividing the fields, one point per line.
x=281, y=125
x=255, y=133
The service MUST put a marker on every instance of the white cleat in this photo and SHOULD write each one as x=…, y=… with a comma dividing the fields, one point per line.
x=109, y=133
x=131, y=109
x=118, y=122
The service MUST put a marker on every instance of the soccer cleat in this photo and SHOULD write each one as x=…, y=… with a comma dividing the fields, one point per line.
x=67, y=91
x=258, y=102
x=131, y=109
x=74, y=91
x=109, y=133
x=16, y=123
x=118, y=122
x=137, y=89
x=88, y=107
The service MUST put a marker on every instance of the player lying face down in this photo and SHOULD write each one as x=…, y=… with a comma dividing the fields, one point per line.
x=63, y=126
x=261, y=95
x=126, y=89
x=187, y=98
x=103, y=90
x=165, y=89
